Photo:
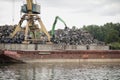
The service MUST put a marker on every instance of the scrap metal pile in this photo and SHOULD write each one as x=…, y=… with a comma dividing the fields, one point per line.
x=5, y=32
x=74, y=37
x=67, y=36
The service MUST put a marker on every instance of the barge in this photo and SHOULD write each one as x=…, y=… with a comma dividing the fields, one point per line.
x=58, y=53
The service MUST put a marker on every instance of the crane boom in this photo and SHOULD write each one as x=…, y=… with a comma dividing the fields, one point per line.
x=54, y=24
x=29, y=5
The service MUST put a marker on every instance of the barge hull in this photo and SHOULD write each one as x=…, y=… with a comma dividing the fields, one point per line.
x=58, y=53
x=66, y=56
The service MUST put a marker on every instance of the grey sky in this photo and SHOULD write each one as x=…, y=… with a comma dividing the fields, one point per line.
x=73, y=12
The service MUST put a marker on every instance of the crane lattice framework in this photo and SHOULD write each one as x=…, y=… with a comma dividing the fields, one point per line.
x=31, y=11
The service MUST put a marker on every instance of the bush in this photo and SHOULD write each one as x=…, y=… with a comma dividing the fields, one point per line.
x=115, y=46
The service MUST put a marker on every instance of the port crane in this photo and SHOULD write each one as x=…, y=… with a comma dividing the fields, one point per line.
x=31, y=11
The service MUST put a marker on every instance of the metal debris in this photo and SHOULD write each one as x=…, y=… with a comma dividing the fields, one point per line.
x=74, y=37
x=62, y=36
x=5, y=32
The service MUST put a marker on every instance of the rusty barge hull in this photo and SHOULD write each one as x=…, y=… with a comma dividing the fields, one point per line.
x=57, y=53
x=8, y=58
x=66, y=56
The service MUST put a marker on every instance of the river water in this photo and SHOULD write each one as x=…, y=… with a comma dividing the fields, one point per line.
x=60, y=71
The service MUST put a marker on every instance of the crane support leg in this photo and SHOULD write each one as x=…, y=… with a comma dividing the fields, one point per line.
x=31, y=27
x=26, y=31
x=43, y=28
x=18, y=27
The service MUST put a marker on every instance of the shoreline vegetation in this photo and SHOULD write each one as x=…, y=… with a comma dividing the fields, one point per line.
x=108, y=33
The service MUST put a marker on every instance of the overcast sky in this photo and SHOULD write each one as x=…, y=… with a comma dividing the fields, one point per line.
x=73, y=12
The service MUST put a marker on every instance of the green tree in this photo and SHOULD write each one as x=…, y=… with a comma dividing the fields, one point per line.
x=108, y=33
x=112, y=36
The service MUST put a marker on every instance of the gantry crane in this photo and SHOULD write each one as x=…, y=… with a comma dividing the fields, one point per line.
x=31, y=12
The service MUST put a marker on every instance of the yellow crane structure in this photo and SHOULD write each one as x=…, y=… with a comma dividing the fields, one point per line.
x=31, y=11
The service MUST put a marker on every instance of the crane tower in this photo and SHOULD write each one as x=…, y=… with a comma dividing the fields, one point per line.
x=31, y=12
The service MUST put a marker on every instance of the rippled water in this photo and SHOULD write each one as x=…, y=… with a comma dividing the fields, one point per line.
x=61, y=71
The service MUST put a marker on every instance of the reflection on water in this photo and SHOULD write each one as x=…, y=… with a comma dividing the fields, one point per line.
x=61, y=71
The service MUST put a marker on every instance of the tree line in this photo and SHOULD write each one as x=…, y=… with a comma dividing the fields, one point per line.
x=108, y=33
